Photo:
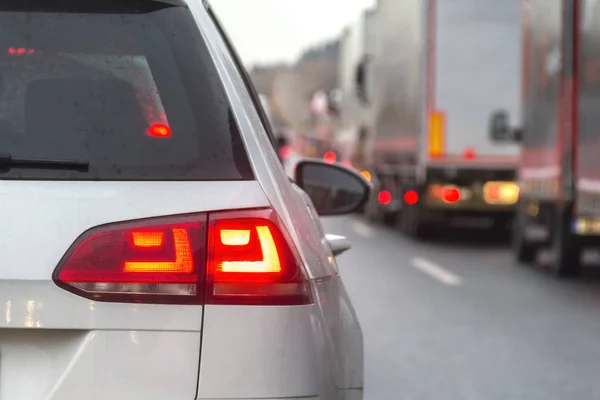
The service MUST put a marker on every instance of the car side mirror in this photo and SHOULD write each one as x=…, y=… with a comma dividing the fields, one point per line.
x=500, y=129
x=333, y=188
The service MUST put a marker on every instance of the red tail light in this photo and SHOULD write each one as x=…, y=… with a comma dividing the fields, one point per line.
x=153, y=261
x=493, y=192
x=249, y=262
x=166, y=260
x=159, y=130
x=469, y=153
x=329, y=157
x=384, y=197
x=285, y=152
x=450, y=194
x=20, y=51
x=411, y=197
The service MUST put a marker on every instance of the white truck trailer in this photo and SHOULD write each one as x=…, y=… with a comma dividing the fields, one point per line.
x=357, y=45
x=441, y=69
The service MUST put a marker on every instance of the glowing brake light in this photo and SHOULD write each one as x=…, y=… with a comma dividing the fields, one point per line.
x=450, y=194
x=270, y=258
x=148, y=239
x=225, y=258
x=501, y=192
x=285, y=152
x=183, y=262
x=153, y=262
x=329, y=157
x=20, y=51
x=250, y=262
x=384, y=197
x=159, y=130
x=411, y=197
x=469, y=153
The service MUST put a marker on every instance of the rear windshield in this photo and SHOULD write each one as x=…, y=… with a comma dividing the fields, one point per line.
x=128, y=87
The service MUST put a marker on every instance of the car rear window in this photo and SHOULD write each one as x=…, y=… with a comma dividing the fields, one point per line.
x=127, y=86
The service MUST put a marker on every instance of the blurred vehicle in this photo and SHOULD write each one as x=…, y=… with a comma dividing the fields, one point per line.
x=439, y=70
x=357, y=44
x=154, y=247
x=560, y=168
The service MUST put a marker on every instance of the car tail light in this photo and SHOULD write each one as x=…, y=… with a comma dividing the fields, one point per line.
x=224, y=258
x=158, y=260
x=159, y=130
x=250, y=262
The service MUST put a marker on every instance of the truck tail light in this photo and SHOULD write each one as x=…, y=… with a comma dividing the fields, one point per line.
x=506, y=193
x=450, y=194
x=250, y=262
x=384, y=197
x=224, y=258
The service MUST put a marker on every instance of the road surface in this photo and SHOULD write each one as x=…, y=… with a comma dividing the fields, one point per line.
x=461, y=320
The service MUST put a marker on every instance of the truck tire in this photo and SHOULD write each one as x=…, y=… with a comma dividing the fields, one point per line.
x=523, y=250
x=566, y=246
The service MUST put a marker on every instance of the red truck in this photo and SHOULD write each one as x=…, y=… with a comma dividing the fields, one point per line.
x=559, y=172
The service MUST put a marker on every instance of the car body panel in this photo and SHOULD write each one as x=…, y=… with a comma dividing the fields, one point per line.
x=334, y=322
x=97, y=365
x=272, y=356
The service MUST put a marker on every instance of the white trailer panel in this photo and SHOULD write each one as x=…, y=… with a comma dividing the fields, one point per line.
x=477, y=71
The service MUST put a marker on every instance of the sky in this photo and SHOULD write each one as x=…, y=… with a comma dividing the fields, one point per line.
x=269, y=31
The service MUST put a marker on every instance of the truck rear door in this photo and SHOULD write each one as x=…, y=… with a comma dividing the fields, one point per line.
x=477, y=71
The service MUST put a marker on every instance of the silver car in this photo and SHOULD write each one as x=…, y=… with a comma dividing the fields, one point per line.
x=153, y=246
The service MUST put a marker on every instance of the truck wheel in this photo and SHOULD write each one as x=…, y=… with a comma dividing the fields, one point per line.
x=566, y=246
x=524, y=250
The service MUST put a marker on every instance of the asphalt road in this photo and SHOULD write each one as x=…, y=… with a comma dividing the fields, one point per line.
x=459, y=319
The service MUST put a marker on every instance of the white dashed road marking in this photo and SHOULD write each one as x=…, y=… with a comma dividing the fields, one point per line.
x=436, y=272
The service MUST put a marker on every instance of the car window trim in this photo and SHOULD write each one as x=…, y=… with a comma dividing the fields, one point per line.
x=244, y=74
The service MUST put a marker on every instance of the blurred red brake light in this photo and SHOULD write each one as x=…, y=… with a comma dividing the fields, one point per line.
x=329, y=157
x=384, y=197
x=159, y=130
x=450, y=194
